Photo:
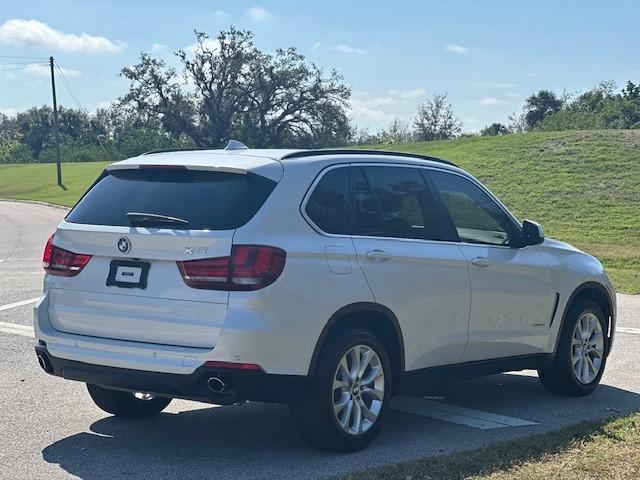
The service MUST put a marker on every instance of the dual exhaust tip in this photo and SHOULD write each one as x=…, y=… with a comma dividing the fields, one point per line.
x=216, y=384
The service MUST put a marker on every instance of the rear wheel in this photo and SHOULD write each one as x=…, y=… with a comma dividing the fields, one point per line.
x=349, y=396
x=127, y=404
x=580, y=358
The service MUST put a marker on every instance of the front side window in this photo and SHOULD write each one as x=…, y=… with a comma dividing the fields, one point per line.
x=396, y=202
x=477, y=217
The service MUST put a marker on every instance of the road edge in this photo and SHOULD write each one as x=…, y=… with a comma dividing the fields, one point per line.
x=36, y=202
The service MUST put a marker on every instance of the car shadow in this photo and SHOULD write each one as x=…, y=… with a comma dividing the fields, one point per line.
x=259, y=440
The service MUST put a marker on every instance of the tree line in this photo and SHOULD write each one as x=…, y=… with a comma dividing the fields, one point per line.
x=227, y=88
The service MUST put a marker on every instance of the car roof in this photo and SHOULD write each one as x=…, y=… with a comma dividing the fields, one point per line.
x=269, y=162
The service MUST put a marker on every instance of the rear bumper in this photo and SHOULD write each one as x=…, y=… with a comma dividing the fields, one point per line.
x=240, y=385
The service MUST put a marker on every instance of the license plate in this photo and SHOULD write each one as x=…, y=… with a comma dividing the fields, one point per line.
x=128, y=274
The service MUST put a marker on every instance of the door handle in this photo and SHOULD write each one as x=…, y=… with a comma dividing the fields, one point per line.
x=481, y=262
x=378, y=255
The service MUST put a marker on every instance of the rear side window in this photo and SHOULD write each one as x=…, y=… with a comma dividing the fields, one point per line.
x=396, y=202
x=206, y=200
x=328, y=206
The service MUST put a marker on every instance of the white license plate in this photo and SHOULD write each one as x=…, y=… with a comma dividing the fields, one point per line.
x=128, y=274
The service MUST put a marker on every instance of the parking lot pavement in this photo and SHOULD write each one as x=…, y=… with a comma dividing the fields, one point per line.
x=49, y=428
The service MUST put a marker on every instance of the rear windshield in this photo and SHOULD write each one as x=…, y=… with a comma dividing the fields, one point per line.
x=206, y=200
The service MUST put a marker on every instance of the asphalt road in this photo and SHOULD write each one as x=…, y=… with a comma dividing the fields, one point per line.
x=50, y=429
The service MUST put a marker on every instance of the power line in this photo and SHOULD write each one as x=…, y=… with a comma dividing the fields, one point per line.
x=23, y=62
x=72, y=94
x=29, y=58
x=68, y=88
x=22, y=67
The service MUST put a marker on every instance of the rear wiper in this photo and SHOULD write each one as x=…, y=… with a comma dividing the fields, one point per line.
x=140, y=219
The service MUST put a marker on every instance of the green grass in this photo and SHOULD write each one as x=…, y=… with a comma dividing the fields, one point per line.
x=38, y=181
x=582, y=186
x=609, y=449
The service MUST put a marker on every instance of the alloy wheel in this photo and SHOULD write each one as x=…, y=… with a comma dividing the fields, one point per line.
x=358, y=389
x=587, y=348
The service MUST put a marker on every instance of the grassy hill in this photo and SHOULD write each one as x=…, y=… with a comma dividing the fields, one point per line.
x=582, y=186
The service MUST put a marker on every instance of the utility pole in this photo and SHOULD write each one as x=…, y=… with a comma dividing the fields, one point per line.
x=55, y=123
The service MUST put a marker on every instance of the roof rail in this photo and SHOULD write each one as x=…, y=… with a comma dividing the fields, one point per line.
x=168, y=150
x=347, y=151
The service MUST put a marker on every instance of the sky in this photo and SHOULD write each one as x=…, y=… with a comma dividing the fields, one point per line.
x=488, y=56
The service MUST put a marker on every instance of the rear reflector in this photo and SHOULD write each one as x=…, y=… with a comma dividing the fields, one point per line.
x=250, y=267
x=232, y=365
x=58, y=261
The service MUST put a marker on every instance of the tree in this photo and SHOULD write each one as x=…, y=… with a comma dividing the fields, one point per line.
x=495, y=129
x=435, y=120
x=631, y=92
x=540, y=105
x=398, y=131
x=230, y=89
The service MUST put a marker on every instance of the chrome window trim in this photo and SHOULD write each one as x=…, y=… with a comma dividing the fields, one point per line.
x=462, y=174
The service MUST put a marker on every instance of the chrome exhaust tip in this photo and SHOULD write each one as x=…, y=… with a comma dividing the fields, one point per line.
x=44, y=363
x=216, y=385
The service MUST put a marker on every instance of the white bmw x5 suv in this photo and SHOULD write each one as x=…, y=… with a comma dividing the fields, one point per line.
x=330, y=280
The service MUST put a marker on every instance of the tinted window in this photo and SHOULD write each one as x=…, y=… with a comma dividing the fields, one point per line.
x=328, y=205
x=395, y=202
x=207, y=200
x=477, y=218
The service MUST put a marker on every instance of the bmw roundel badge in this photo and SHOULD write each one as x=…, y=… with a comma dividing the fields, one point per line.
x=124, y=245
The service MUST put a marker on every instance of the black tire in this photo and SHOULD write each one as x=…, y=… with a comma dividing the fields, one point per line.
x=314, y=416
x=126, y=404
x=560, y=377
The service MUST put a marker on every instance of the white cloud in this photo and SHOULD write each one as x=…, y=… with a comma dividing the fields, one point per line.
x=381, y=101
x=209, y=44
x=158, y=47
x=457, y=49
x=489, y=101
x=101, y=105
x=258, y=14
x=362, y=111
x=220, y=14
x=377, y=109
x=408, y=94
x=9, y=112
x=347, y=49
x=33, y=33
x=341, y=48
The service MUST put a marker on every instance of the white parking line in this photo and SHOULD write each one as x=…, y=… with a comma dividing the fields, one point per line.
x=454, y=414
x=18, y=304
x=15, y=329
x=632, y=330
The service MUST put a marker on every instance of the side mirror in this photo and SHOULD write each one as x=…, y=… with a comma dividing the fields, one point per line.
x=532, y=233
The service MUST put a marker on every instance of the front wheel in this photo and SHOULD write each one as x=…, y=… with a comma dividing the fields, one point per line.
x=581, y=355
x=127, y=404
x=349, y=396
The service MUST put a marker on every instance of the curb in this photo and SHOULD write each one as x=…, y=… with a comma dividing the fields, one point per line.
x=36, y=202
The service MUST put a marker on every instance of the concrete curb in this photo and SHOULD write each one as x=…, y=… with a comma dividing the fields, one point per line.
x=36, y=202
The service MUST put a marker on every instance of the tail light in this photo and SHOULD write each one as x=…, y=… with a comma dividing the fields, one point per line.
x=58, y=261
x=250, y=267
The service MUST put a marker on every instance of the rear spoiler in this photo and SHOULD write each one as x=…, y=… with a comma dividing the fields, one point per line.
x=161, y=166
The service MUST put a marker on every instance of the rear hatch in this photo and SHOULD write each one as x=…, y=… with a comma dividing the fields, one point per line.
x=137, y=223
